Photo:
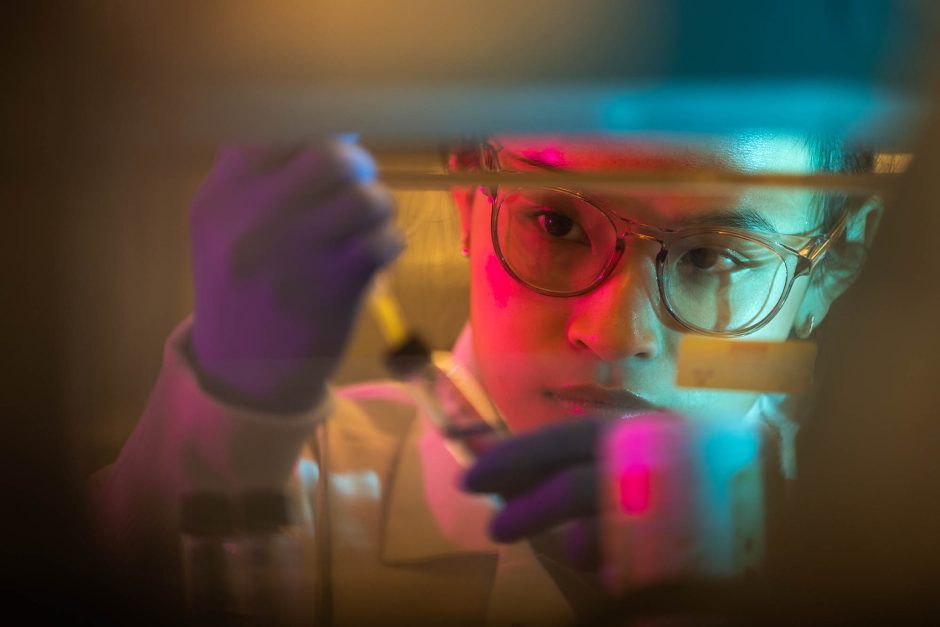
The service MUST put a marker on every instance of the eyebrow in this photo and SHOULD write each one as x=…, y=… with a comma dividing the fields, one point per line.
x=740, y=219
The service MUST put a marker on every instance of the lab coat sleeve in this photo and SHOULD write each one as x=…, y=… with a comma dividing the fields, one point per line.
x=187, y=440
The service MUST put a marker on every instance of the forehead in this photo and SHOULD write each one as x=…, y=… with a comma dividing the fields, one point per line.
x=788, y=210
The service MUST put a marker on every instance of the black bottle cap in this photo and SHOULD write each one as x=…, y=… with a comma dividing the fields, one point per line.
x=264, y=510
x=411, y=355
x=207, y=514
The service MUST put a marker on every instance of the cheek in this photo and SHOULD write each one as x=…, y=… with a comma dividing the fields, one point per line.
x=506, y=319
x=782, y=324
x=509, y=318
x=498, y=281
x=518, y=338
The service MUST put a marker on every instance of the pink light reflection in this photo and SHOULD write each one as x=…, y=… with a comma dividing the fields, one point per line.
x=550, y=156
x=635, y=490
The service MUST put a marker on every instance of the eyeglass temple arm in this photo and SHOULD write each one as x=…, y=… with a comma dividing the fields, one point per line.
x=813, y=251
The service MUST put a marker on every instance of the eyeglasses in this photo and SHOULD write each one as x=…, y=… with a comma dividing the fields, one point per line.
x=716, y=281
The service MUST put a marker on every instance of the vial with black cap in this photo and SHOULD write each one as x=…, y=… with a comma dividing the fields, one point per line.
x=273, y=558
x=213, y=573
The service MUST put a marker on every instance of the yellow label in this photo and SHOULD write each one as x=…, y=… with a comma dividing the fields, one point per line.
x=758, y=366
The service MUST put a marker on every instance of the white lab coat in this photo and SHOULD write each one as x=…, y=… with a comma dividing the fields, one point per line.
x=405, y=545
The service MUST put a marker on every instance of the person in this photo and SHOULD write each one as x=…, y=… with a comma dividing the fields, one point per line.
x=579, y=299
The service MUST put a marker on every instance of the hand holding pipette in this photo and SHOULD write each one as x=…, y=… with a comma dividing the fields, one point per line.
x=285, y=243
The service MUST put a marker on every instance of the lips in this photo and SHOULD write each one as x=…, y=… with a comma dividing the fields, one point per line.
x=581, y=400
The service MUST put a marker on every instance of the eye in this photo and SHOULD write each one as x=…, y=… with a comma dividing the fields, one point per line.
x=556, y=224
x=713, y=260
x=560, y=226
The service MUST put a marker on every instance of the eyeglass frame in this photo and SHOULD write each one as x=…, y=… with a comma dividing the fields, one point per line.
x=808, y=250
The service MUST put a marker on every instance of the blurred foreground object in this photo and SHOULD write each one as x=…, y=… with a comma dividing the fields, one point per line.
x=420, y=70
x=681, y=501
x=864, y=543
x=242, y=562
x=746, y=365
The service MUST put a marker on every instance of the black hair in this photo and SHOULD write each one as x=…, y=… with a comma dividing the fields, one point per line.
x=829, y=155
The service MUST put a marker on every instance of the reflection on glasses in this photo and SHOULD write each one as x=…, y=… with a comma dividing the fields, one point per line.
x=715, y=280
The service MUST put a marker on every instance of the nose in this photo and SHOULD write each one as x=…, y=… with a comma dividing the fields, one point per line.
x=618, y=320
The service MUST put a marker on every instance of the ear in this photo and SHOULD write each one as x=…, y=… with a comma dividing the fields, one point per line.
x=836, y=273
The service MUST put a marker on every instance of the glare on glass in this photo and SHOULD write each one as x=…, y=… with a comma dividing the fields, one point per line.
x=713, y=280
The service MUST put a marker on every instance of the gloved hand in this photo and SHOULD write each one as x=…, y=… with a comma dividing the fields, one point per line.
x=554, y=476
x=284, y=244
x=547, y=478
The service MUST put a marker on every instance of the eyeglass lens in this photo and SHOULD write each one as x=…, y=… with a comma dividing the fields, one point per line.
x=714, y=281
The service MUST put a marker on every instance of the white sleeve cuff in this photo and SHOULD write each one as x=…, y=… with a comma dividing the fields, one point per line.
x=189, y=440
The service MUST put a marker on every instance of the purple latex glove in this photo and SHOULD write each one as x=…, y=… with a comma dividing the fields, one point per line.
x=547, y=478
x=284, y=243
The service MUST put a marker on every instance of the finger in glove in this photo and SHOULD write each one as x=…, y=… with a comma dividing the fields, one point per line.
x=521, y=462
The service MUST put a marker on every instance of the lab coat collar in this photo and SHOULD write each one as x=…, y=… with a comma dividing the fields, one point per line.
x=427, y=516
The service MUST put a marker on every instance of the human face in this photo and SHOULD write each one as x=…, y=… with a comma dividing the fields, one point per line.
x=613, y=350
